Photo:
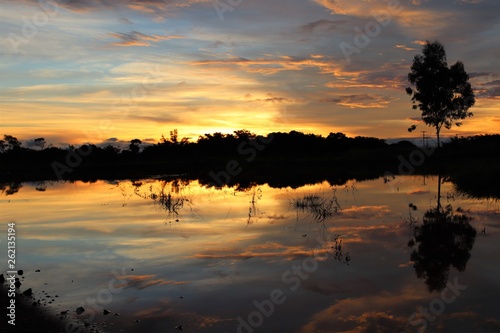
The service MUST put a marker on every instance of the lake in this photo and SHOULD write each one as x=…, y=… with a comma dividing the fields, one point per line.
x=165, y=255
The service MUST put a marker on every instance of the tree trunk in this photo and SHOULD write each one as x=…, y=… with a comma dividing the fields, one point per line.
x=438, y=140
x=439, y=194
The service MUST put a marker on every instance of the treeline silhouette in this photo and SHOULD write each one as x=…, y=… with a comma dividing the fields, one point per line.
x=243, y=157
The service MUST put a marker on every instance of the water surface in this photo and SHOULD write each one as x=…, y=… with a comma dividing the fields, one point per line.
x=319, y=258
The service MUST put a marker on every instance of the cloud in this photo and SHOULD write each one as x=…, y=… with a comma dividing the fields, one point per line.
x=404, y=47
x=416, y=118
x=135, y=38
x=323, y=24
x=419, y=42
x=273, y=65
x=125, y=20
x=387, y=76
x=421, y=19
x=161, y=119
x=486, y=87
x=220, y=44
x=145, y=6
x=356, y=315
x=365, y=212
x=361, y=101
x=268, y=250
x=145, y=281
x=272, y=99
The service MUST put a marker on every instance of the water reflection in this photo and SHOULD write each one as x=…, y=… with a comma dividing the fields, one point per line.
x=477, y=185
x=168, y=195
x=232, y=246
x=253, y=209
x=320, y=208
x=443, y=240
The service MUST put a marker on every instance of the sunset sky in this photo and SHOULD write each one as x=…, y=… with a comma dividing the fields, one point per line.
x=108, y=71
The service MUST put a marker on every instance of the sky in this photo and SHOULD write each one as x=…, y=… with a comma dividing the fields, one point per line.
x=111, y=71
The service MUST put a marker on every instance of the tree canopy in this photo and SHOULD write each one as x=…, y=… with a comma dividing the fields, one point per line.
x=442, y=93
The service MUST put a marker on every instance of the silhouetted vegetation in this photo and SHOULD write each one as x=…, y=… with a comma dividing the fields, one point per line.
x=319, y=207
x=473, y=165
x=442, y=93
x=254, y=155
x=243, y=158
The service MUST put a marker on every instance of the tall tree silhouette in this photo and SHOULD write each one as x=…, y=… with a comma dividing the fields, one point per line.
x=443, y=240
x=442, y=93
x=134, y=146
x=40, y=142
x=12, y=142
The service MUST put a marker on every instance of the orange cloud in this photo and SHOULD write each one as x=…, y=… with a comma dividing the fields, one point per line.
x=361, y=101
x=404, y=47
x=268, y=250
x=273, y=66
x=365, y=212
x=145, y=281
x=135, y=38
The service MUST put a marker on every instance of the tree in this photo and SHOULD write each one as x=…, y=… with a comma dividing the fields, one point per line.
x=442, y=93
x=174, y=136
x=12, y=142
x=244, y=135
x=40, y=142
x=134, y=145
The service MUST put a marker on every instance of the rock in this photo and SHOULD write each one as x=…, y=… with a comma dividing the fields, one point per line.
x=17, y=284
x=80, y=310
x=178, y=327
x=2, y=278
x=105, y=312
x=20, y=272
x=64, y=312
x=37, y=271
x=28, y=292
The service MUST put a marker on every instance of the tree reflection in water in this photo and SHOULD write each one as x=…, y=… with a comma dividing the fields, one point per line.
x=443, y=240
x=319, y=208
x=169, y=197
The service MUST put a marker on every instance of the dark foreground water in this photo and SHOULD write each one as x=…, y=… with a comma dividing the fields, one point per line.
x=168, y=255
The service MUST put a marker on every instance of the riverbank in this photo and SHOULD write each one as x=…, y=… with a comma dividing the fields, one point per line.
x=29, y=314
